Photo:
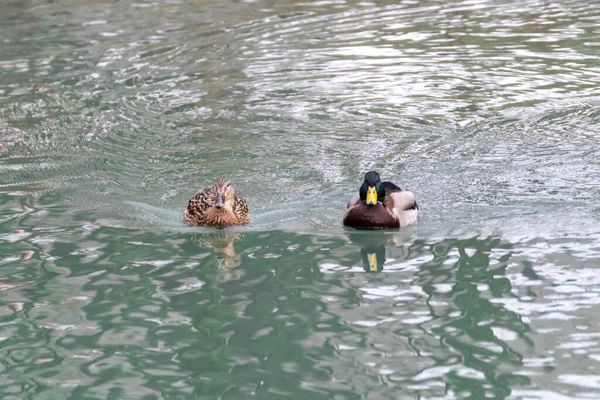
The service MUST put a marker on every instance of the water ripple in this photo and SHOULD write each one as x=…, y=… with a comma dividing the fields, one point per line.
x=113, y=114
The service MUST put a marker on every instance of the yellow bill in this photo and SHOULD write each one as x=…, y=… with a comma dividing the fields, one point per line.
x=371, y=196
x=372, y=259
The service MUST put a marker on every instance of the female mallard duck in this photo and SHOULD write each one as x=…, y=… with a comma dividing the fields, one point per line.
x=379, y=205
x=217, y=206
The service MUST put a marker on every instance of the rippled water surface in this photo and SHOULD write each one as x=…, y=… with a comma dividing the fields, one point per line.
x=113, y=114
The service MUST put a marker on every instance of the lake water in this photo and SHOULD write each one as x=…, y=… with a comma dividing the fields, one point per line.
x=114, y=113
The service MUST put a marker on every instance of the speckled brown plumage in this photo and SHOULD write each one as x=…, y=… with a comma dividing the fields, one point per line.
x=217, y=206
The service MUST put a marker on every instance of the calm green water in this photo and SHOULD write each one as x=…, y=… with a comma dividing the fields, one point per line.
x=112, y=114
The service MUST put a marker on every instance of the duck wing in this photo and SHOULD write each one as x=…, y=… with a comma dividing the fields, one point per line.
x=406, y=201
x=353, y=201
x=390, y=187
x=202, y=201
x=240, y=209
x=404, y=207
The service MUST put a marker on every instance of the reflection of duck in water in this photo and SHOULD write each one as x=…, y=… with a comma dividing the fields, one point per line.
x=380, y=205
x=373, y=258
x=372, y=249
x=217, y=206
x=222, y=244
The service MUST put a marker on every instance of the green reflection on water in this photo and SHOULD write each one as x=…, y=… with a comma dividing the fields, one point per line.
x=127, y=313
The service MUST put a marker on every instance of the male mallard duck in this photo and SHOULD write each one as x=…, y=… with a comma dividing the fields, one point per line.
x=217, y=206
x=379, y=205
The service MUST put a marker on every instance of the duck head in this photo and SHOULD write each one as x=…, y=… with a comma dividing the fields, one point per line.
x=225, y=194
x=372, y=191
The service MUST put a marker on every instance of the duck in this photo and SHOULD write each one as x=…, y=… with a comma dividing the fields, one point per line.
x=380, y=205
x=217, y=206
